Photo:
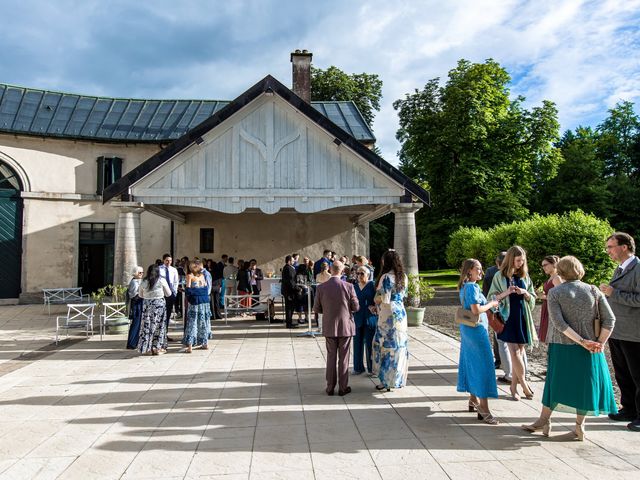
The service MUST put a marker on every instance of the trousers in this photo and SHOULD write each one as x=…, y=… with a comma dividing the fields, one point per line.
x=337, y=353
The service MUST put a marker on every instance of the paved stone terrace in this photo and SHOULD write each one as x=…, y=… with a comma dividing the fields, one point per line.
x=253, y=406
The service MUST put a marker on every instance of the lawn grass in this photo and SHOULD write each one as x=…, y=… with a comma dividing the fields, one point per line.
x=442, y=278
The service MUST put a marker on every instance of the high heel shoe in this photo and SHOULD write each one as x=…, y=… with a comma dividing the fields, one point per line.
x=579, y=432
x=488, y=418
x=528, y=396
x=537, y=427
x=472, y=406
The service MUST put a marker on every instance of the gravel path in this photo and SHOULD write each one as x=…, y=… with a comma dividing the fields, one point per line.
x=439, y=315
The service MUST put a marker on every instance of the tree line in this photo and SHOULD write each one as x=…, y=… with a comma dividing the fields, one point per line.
x=488, y=160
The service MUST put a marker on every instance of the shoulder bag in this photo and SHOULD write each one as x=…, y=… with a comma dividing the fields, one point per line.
x=495, y=321
x=596, y=321
x=467, y=317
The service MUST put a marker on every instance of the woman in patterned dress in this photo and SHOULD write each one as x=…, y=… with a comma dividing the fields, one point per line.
x=390, y=354
x=153, y=289
x=198, y=322
x=135, y=308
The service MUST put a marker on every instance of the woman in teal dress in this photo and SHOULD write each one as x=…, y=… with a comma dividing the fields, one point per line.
x=476, y=371
x=578, y=379
x=390, y=353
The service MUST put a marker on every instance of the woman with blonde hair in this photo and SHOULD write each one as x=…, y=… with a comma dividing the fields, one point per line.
x=578, y=379
x=475, y=369
x=549, y=264
x=198, y=319
x=516, y=309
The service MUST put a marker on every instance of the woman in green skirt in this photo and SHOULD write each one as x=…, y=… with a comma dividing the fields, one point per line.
x=578, y=378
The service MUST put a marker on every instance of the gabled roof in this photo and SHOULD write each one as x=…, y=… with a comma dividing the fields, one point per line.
x=29, y=111
x=267, y=85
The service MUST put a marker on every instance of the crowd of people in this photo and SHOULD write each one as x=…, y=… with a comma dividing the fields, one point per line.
x=577, y=320
x=365, y=315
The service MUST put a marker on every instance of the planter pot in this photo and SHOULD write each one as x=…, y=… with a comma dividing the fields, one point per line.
x=415, y=316
x=117, y=326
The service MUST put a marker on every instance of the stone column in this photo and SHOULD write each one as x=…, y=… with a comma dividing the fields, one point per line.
x=404, y=235
x=127, y=247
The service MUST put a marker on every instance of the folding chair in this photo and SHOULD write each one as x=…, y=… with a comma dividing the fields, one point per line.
x=79, y=315
x=112, y=311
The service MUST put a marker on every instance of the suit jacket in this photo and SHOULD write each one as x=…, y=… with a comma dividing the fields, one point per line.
x=288, y=280
x=625, y=303
x=337, y=301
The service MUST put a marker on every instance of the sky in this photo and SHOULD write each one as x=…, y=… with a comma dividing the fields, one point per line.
x=582, y=55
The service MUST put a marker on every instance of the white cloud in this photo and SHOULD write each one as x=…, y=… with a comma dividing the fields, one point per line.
x=580, y=54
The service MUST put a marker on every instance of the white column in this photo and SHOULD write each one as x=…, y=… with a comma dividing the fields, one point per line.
x=127, y=247
x=404, y=235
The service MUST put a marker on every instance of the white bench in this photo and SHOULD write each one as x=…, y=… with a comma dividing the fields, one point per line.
x=240, y=304
x=63, y=296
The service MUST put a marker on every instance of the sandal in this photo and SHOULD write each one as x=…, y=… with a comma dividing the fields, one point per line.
x=488, y=418
x=536, y=427
x=473, y=406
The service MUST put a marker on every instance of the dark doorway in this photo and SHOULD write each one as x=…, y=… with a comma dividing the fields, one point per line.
x=95, y=264
x=10, y=233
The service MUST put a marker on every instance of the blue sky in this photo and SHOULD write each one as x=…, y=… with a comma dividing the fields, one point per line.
x=583, y=55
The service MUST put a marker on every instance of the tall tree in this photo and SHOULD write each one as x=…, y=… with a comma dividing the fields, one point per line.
x=482, y=153
x=363, y=89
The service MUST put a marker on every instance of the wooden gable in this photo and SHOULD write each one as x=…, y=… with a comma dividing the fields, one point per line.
x=267, y=156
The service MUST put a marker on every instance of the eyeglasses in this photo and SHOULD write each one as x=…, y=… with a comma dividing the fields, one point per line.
x=361, y=273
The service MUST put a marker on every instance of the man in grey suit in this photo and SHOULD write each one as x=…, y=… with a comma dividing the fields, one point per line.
x=337, y=301
x=623, y=293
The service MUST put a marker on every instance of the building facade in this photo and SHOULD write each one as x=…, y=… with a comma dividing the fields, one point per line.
x=92, y=186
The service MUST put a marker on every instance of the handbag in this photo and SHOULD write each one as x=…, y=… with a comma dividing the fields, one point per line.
x=466, y=317
x=597, y=323
x=495, y=321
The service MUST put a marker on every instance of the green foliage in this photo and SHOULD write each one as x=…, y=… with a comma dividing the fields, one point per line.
x=117, y=293
x=364, y=89
x=418, y=291
x=573, y=233
x=481, y=152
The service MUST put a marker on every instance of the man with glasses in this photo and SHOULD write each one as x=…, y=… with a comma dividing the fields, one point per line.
x=623, y=293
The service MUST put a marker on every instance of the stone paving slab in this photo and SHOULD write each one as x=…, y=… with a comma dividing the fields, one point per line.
x=253, y=407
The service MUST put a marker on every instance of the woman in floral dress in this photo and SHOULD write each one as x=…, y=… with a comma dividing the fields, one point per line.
x=153, y=333
x=198, y=322
x=390, y=354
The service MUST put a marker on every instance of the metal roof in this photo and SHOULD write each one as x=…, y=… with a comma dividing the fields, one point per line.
x=30, y=111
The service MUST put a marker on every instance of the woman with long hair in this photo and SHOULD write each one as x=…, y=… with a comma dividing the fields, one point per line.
x=516, y=309
x=549, y=266
x=153, y=289
x=578, y=379
x=243, y=278
x=390, y=353
x=476, y=372
x=198, y=319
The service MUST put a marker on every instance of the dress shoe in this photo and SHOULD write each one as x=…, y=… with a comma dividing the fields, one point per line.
x=635, y=425
x=345, y=392
x=169, y=339
x=330, y=393
x=505, y=380
x=622, y=416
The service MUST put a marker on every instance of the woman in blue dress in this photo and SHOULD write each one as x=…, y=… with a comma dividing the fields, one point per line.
x=390, y=353
x=516, y=308
x=476, y=371
x=198, y=321
x=135, y=308
x=366, y=321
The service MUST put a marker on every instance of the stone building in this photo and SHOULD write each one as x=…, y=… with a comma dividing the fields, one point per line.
x=92, y=186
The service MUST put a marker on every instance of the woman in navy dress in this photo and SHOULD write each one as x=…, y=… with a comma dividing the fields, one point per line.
x=135, y=308
x=476, y=372
x=365, y=320
x=516, y=308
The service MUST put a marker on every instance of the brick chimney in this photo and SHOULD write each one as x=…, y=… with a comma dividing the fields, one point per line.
x=301, y=60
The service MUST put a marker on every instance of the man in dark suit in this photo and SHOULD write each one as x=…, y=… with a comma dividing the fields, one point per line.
x=289, y=290
x=317, y=267
x=623, y=293
x=337, y=301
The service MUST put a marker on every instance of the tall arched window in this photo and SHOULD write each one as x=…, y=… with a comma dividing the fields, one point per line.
x=10, y=232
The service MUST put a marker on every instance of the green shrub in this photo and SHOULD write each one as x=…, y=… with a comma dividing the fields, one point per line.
x=573, y=233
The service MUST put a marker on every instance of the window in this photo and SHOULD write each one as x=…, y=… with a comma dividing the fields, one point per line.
x=97, y=232
x=206, y=240
x=109, y=171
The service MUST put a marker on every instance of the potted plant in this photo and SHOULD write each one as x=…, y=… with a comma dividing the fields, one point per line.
x=113, y=293
x=418, y=292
